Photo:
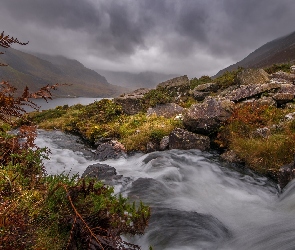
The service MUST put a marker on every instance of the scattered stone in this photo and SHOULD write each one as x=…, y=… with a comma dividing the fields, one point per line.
x=183, y=139
x=252, y=76
x=206, y=117
x=110, y=150
x=132, y=103
x=167, y=110
x=164, y=143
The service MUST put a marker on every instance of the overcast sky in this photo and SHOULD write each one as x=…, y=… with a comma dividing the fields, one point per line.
x=193, y=37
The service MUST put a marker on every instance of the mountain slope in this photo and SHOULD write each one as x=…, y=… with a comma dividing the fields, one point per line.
x=281, y=50
x=37, y=71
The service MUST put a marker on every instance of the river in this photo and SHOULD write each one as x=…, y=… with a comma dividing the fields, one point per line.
x=197, y=201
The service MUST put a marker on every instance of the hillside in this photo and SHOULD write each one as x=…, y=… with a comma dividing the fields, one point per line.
x=281, y=50
x=38, y=70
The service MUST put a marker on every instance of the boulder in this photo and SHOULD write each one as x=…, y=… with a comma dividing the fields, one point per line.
x=207, y=87
x=110, y=150
x=132, y=103
x=252, y=76
x=230, y=156
x=167, y=110
x=164, y=143
x=198, y=95
x=286, y=174
x=175, y=82
x=282, y=77
x=100, y=171
x=283, y=98
x=206, y=117
x=152, y=146
x=251, y=90
x=183, y=139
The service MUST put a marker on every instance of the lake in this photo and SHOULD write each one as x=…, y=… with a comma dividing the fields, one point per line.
x=51, y=104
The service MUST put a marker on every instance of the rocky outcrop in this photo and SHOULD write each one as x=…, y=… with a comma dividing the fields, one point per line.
x=251, y=90
x=132, y=103
x=110, y=150
x=175, y=82
x=252, y=76
x=206, y=117
x=198, y=95
x=207, y=87
x=167, y=110
x=282, y=77
x=183, y=139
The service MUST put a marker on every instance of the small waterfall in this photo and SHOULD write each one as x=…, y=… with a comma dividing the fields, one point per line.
x=197, y=203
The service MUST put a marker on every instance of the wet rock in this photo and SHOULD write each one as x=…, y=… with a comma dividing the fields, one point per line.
x=286, y=174
x=100, y=171
x=132, y=103
x=251, y=90
x=110, y=150
x=183, y=139
x=206, y=117
x=164, y=143
x=152, y=146
x=167, y=110
x=252, y=76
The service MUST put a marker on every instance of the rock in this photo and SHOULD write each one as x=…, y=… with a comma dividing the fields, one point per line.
x=110, y=150
x=164, y=143
x=231, y=156
x=262, y=132
x=206, y=117
x=175, y=82
x=132, y=103
x=177, y=88
x=198, y=95
x=183, y=139
x=283, y=98
x=286, y=174
x=100, y=171
x=282, y=77
x=207, y=87
x=152, y=146
x=269, y=101
x=251, y=90
x=252, y=76
x=167, y=110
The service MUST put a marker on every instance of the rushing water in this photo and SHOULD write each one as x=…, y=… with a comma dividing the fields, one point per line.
x=196, y=202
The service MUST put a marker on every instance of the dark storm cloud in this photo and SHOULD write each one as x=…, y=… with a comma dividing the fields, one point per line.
x=163, y=35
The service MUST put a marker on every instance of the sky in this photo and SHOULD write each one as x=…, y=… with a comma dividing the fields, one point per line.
x=183, y=37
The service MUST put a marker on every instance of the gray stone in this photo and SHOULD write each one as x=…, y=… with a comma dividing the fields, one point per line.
x=164, y=143
x=251, y=90
x=175, y=82
x=198, y=95
x=231, y=156
x=167, y=110
x=132, y=103
x=207, y=87
x=183, y=139
x=206, y=117
x=252, y=76
x=286, y=174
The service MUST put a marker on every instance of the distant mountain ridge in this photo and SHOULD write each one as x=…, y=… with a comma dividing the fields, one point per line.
x=38, y=70
x=280, y=50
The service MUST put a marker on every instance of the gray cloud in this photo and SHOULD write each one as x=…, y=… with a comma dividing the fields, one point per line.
x=191, y=37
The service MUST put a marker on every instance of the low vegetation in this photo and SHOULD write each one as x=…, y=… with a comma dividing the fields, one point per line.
x=38, y=211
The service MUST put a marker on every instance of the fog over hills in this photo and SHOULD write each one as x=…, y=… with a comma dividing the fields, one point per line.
x=280, y=50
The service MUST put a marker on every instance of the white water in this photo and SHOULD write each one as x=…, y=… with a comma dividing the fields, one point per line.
x=196, y=202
